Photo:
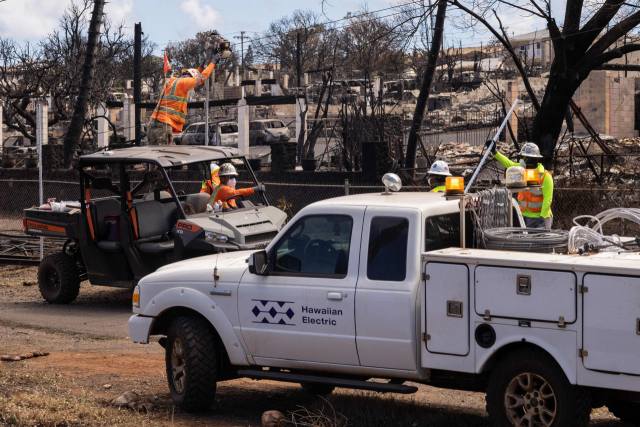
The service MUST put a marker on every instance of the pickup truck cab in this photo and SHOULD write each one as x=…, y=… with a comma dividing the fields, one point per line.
x=375, y=286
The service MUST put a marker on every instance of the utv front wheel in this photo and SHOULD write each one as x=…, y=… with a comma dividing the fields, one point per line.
x=191, y=363
x=528, y=388
x=58, y=279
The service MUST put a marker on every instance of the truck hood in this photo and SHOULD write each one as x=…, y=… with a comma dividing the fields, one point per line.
x=231, y=267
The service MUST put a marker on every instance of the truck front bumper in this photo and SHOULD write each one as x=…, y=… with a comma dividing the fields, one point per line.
x=140, y=328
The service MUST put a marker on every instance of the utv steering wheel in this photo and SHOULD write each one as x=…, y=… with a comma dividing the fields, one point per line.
x=235, y=196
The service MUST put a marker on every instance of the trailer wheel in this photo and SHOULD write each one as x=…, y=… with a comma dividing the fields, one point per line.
x=629, y=412
x=191, y=363
x=58, y=279
x=528, y=387
x=319, y=389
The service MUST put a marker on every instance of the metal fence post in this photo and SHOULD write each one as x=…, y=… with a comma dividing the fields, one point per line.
x=346, y=187
x=42, y=135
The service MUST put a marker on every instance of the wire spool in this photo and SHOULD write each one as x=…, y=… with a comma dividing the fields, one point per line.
x=537, y=240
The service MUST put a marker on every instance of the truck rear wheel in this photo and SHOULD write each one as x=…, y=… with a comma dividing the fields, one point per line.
x=191, y=363
x=528, y=387
x=629, y=412
x=58, y=279
x=319, y=389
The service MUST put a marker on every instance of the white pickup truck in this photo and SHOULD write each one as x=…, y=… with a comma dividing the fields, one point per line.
x=373, y=286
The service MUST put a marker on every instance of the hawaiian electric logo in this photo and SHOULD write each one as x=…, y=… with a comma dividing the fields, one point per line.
x=273, y=312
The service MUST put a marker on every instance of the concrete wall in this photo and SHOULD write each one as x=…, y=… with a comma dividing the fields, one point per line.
x=607, y=101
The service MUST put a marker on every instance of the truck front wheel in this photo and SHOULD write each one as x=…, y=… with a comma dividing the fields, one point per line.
x=58, y=279
x=529, y=388
x=191, y=363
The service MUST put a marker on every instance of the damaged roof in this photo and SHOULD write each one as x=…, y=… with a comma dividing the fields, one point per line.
x=164, y=155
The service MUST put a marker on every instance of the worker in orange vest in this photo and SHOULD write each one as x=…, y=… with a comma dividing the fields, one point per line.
x=226, y=188
x=171, y=111
x=208, y=185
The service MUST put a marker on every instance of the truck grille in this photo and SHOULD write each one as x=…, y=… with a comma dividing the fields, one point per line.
x=260, y=237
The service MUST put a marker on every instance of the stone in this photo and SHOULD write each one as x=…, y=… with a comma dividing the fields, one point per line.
x=126, y=399
x=29, y=283
x=106, y=386
x=273, y=419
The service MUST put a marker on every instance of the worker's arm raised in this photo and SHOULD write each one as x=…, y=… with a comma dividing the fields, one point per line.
x=547, y=196
x=504, y=161
x=189, y=83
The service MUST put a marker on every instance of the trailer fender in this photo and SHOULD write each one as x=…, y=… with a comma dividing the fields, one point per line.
x=562, y=345
x=202, y=304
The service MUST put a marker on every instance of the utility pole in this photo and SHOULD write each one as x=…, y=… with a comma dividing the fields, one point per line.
x=137, y=77
x=423, y=97
x=242, y=37
x=77, y=121
x=298, y=65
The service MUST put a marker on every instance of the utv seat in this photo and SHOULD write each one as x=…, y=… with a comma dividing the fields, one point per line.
x=155, y=220
x=198, y=201
x=100, y=210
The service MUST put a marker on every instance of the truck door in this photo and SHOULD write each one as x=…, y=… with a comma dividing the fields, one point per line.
x=304, y=310
x=611, y=323
x=387, y=288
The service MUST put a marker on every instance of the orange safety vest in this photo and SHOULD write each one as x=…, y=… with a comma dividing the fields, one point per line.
x=208, y=186
x=223, y=192
x=532, y=199
x=172, y=105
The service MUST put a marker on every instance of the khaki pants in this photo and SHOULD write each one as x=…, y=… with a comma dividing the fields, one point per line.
x=159, y=133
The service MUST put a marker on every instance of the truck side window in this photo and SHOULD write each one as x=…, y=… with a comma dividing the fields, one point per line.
x=315, y=245
x=387, y=259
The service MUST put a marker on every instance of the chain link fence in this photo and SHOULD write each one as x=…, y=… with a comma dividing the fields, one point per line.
x=291, y=198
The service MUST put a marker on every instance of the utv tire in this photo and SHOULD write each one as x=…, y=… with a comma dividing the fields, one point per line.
x=529, y=384
x=319, y=389
x=629, y=412
x=58, y=279
x=191, y=363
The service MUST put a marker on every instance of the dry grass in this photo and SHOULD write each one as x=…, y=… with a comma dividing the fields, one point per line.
x=365, y=409
x=41, y=400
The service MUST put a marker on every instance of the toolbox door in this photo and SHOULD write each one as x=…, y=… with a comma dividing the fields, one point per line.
x=447, y=308
x=611, y=323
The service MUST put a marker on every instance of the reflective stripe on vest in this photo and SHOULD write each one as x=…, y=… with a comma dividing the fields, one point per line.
x=174, y=100
x=212, y=199
x=532, y=199
x=171, y=111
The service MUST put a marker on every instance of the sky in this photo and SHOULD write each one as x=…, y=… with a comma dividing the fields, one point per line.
x=173, y=20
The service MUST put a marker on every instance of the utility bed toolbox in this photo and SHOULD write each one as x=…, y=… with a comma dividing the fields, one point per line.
x=527, y=294
x=52, y=224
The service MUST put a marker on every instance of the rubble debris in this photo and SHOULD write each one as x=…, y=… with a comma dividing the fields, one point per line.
x=18, y=357
x=132, y=400
x=107, y=386
x=29, y=283
x=273, y=419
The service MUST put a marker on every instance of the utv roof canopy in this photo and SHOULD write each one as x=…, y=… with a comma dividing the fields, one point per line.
x=163, y=155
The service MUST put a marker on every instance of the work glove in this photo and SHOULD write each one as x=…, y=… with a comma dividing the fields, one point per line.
x=548, y=222
x=259, y=188
x=216, y=58
x=494, y=149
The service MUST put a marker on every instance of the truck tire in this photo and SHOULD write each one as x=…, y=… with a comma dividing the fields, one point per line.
x=191, y=363
x=58, y=279
x=319, y=389
x=529, y=384
x=629, y=412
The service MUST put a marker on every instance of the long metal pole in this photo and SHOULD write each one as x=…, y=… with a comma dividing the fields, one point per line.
x=40, y=136
x=137, y=79
x=495, y=138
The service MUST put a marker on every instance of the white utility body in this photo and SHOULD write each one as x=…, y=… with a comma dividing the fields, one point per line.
x=374, y=286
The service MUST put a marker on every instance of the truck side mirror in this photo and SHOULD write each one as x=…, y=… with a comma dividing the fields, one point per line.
x=259, y=263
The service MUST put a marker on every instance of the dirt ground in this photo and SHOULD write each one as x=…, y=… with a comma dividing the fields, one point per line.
x=92, y=362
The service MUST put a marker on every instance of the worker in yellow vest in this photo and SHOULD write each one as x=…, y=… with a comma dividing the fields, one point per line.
x=534, y=204
x=209, y=185
x=439, y=172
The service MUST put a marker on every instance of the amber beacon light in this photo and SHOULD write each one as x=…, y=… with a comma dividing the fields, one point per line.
x=454, y=185
x=532, y=176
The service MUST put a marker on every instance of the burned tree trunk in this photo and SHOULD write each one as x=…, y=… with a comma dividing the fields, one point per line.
x=77, y=121
x=423, y=97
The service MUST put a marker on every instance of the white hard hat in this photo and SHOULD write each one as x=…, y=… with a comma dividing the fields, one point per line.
x=439, y=168
x=227, y=169
x=530, y=150
x=191, y=71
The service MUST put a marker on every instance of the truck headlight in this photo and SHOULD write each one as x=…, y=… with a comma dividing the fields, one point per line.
x=211, y=237
x=135, y=299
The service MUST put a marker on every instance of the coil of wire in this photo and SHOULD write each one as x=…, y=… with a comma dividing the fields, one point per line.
x=527, y=240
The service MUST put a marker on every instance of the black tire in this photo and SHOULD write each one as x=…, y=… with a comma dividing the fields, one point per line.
x=318, y=389
x=58, y=279
x=629, y=412
x=568, y=405
x=196, y=388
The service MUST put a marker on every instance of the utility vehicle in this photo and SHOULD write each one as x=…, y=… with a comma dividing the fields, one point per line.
x=124, y=231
